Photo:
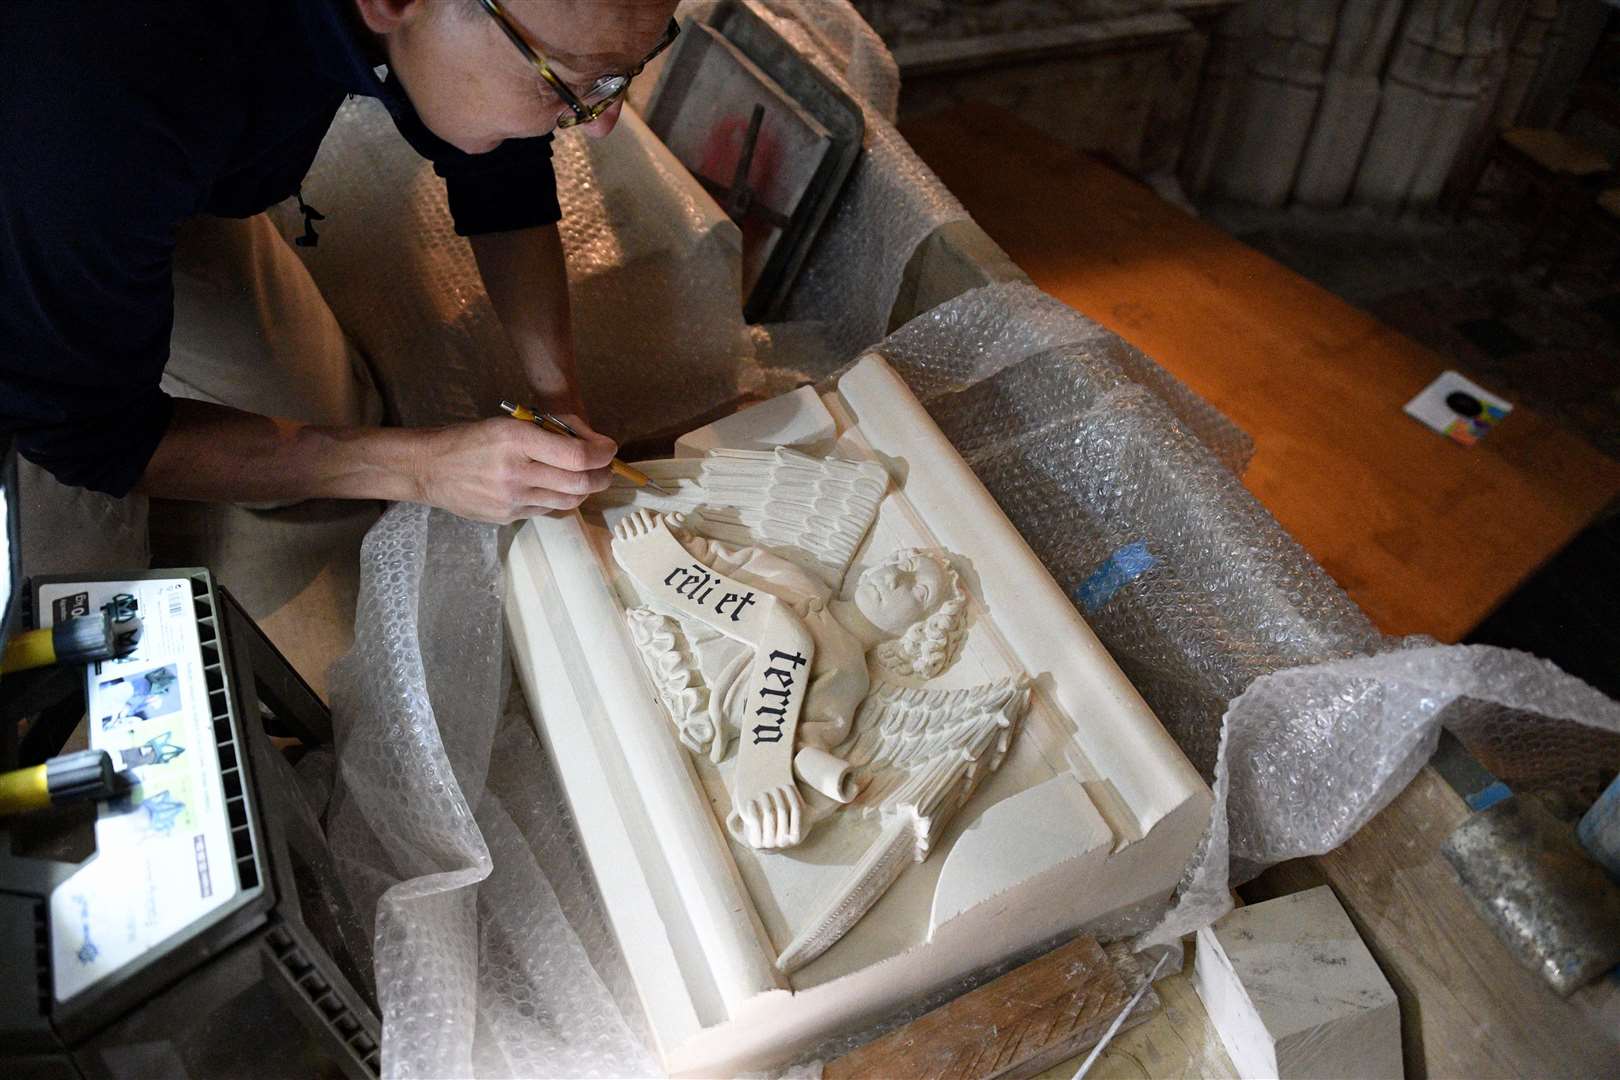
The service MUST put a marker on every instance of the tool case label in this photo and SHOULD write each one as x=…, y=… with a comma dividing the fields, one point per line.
x=164, y=857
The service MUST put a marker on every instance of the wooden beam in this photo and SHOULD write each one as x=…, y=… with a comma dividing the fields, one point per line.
x=1029, y=1019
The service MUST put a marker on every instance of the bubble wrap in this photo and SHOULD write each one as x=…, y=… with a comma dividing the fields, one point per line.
x=1257, y=663
x=640, y=241
x=1310, y=754
x=984, y=331
x=445, y=822
x=386, y=214
x=1090, y=447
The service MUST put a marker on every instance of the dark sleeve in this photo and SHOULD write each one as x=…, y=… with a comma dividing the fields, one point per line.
x=91, y=185
x=511, y=187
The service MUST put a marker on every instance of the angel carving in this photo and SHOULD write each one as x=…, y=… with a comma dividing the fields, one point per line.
x=754, y=643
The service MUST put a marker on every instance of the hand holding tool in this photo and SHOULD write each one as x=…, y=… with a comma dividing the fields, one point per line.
x=556, y=426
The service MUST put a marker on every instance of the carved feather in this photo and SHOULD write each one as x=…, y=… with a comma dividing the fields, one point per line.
x=925, y=751
x=814, y=512
x=675, y=673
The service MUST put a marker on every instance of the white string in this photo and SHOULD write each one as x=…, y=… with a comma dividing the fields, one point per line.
x=1113, y=1029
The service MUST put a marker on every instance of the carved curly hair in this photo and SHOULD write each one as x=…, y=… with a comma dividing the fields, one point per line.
x=929, y=645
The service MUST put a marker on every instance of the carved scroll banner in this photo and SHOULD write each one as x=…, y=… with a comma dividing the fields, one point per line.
x=767, y=810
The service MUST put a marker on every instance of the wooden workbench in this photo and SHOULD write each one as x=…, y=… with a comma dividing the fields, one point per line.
x=1427, y=536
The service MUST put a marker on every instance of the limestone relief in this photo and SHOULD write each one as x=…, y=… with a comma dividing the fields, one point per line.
x=813, y=697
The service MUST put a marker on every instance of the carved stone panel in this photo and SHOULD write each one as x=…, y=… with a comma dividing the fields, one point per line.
x=828, y=727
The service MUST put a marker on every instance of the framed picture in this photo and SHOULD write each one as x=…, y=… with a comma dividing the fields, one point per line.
x=772, y=142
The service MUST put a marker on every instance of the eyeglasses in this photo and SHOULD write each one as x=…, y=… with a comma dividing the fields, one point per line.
x=601, y=95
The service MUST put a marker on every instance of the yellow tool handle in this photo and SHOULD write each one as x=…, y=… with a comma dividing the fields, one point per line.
x=24, y=789
x=629, y=472
x=32, y=649
x=523, y=412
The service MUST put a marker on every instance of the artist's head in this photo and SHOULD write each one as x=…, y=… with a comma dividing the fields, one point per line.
x=473, y=87
x=916, y=599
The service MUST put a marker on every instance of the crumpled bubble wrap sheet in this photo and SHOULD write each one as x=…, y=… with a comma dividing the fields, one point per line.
x=1310, y=754
x=969, y=340
x=446, y=824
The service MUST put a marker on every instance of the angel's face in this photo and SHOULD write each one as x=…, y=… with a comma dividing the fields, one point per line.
x=897, y=594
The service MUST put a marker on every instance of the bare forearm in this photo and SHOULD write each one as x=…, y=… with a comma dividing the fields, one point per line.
x=527, y=282
x=216, y=453
x=488, y=470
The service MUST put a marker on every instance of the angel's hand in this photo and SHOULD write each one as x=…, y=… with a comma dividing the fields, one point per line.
x=636, y=524
x=771, y=819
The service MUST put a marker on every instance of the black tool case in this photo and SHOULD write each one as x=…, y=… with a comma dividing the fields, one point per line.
x=261, y=987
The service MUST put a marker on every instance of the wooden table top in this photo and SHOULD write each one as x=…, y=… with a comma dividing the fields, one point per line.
x=1428, y=536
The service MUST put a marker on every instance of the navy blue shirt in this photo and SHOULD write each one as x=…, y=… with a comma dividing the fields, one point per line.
x=119, y=119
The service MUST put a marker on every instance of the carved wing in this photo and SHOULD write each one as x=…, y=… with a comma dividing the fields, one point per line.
x=811, y=511
x=922, y=753
x=919, y=755
x=696, y=707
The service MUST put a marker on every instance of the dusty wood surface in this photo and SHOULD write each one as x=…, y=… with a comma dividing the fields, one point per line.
x=1035, y=1015
x=1467, y=1007
x=1426, y=535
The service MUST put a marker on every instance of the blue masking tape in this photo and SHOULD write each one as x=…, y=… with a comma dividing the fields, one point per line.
x=1487, y=797
x=1117, y=571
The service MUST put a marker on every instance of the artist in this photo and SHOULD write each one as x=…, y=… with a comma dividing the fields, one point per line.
x=158, y=336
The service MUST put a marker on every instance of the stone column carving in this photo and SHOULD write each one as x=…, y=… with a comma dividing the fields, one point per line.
x=1287, y=67
x=1536, y=39
x=1349, y=102
x=1448, y=60
x=1219, y=103
x=1371, y=102
x=1565, y=52
x=1291, y=91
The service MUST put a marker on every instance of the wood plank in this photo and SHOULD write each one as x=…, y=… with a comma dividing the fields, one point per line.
x=1013, y=1026
x=1177, y=1043
x=1426, y=535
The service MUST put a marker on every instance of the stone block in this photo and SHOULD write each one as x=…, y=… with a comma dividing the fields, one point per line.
x=1293, y=992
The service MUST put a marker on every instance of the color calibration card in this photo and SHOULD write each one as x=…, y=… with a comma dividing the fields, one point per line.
x=1458, y=409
